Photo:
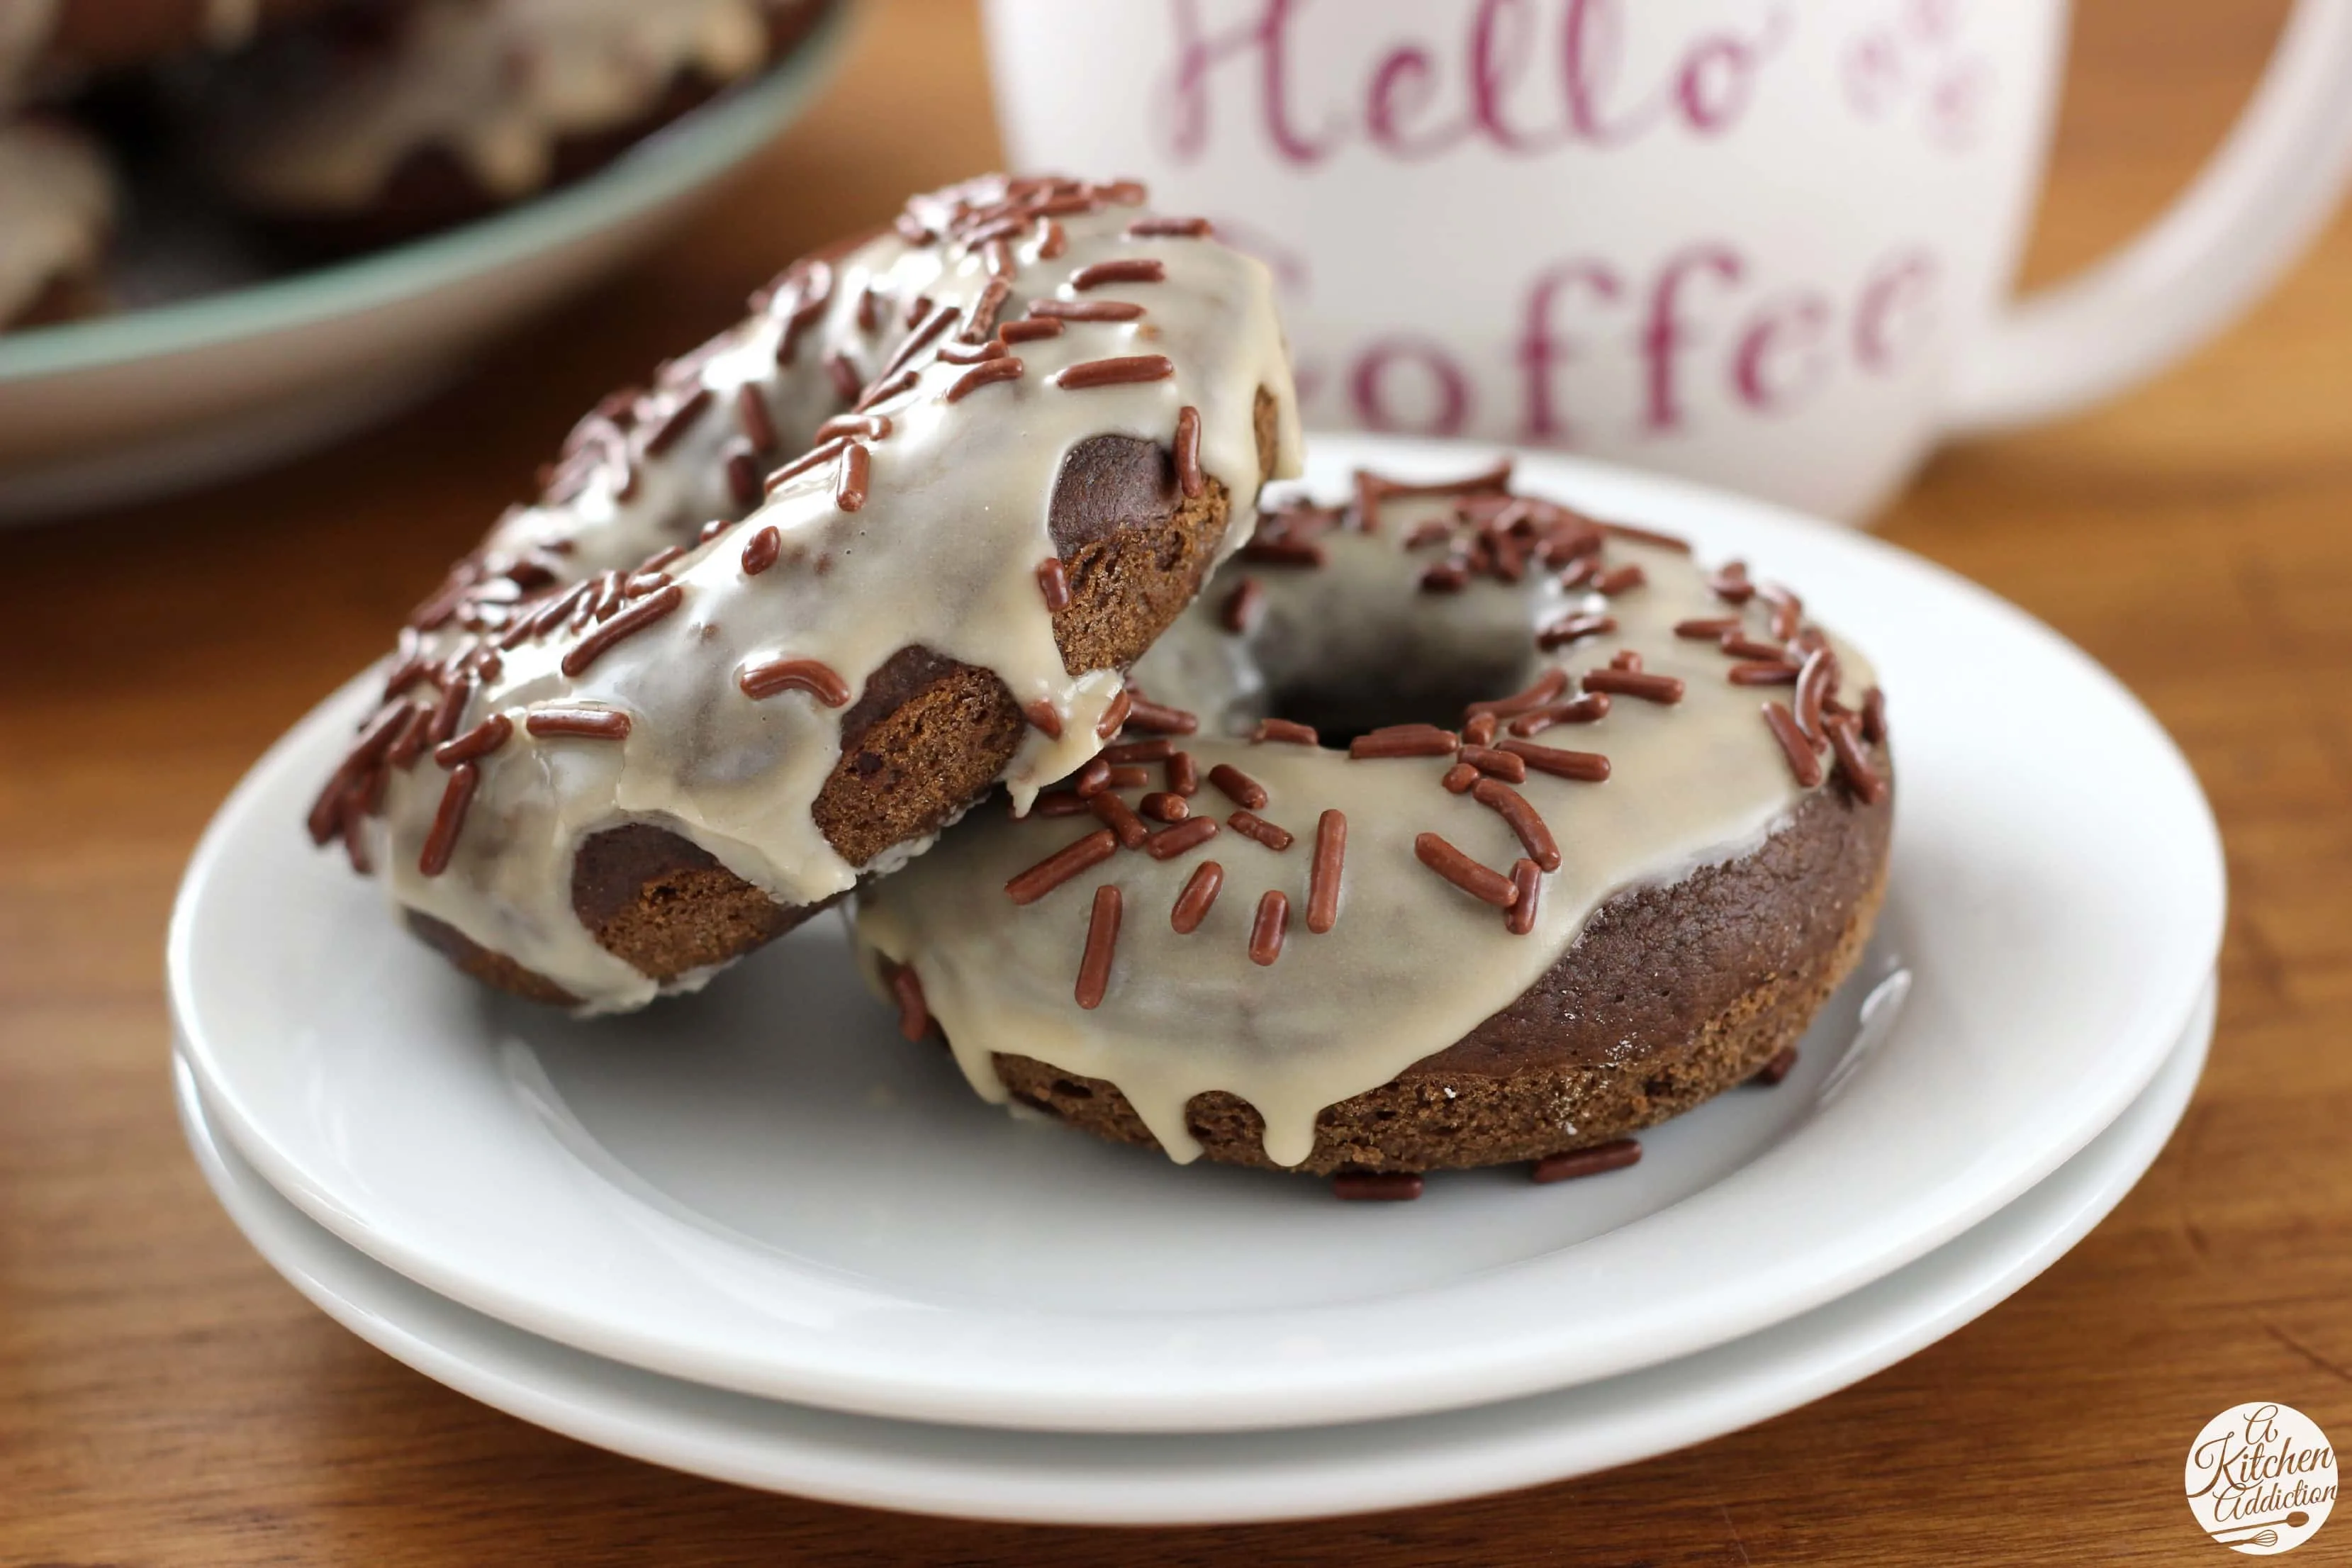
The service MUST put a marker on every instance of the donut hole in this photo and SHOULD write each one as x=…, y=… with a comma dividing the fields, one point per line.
x=1341, y=704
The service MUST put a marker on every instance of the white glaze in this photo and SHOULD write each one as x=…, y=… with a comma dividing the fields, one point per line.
x=1412, y=964
x=943, y=555
x=499, y=83
x=57, y=205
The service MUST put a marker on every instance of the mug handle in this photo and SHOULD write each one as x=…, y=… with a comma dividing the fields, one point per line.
x=2264, y=196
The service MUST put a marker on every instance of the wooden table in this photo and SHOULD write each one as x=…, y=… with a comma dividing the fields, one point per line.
x=165, y=1399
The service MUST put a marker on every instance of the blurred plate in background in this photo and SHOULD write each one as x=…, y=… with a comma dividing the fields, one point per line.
x=138, y=405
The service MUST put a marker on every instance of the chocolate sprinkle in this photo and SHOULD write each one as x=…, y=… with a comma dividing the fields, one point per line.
x=1237, y=786
x=1285, y=731
x=1776, y=1069
x=1459, y=778
x=1376, y=1186
x=628, y=624
x=981, y=375
x=1044, y=718
x=1859, y=776
x=1527, y=886
x=914, y=1012
x=1584, y=710
x=1634, y=683
x=1120, y=270
x=1574, y=629
x=1404, y=740
x=1157, y=750
x=1547, y=685
x=1199, y=893
x=1164, y=807
x=478, y=741
x=1480, y=882
x=1119, y=818
x=1802, y=761
x=1059, y=802
x=1115, y=371
x=762, y=550
x=1707, y=630
x=1102, y=940
x=1323, y=879
x=1170, y=227
x=1772, y=674
x=1030, y=330
x=1170, y=842
x=1065, y=863
x=1085, y=309
x=1873, y=716
x=1584, y=767
x=1157, y=718
x=1614, y=1156
x=1272, y=924
x=442, y=841
x=1189, y=476
x=1114, y=716
x=857, y=470
x=1093, y=778
x=815, y=677
x=1512, y=807
x=1502, y=764
x=553, y=719
x=1053, y=583
x=1183, y=773
x=1250, y=824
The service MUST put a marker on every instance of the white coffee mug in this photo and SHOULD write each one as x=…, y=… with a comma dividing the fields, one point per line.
x=1767, y=243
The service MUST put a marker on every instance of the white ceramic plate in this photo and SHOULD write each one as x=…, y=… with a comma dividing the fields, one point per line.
x=762, y=1188
x=95, y=412
x=1052, y=1477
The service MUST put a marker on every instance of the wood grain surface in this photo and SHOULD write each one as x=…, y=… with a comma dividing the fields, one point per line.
x=165, y=1399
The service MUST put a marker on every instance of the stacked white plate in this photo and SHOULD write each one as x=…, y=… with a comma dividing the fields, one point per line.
x=755, y=1235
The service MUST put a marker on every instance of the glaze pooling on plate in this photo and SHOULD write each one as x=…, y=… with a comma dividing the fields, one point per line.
x=573, y=683
x=1292, y=1019
x=499, y=84
x=57, y=205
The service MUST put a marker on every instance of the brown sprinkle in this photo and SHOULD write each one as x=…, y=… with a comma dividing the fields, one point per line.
x=375, y=738
x=981, y=375
x=1130, y=776
x=1404, y=740
x=1285, y=731
x=1085, y=309
x=1199, y=893
x=857, y=470
x=1625, y=659
x=1092, y=779
x=1272, y=552
x=1189, y=476
x=1119, y=818
x=1813, y=683
x=1162, y=807
x=1584, y=710
x=914, y=1012
x=1250, y=824
x=1802, y=760
x=1157, y=718
x=1574, y=629
x=681, y=419
x=555, y=719
x=1731, y=583
x=1183, y=774
x=1527, y=884
x=1740, y=645
x=1044, y=718
x=1614, y=1156
x=1121, y=269
x=1102, y=940
x=873, y=427
x=628, y=624
x=1115, y=371
x=815, y=677
x=1272, y=924
x=1525, y=820
x=1620, y=579
x=1460, y=777
x=1868, y=786
x=752, y=414
x=1114, y=717
x=1873, y=716
x=1376, y=1186
x=762, y=550
x=1170, y=227
x=1635, y=683
x=1501, y=764
x=1584, y=767
x=1772, y=674
x=1707, y=630
x=1547, y=685
x=1479, y=730
x=1480, y=882
x=442, y=840
x=1060, y=803
x=814, y=458
x=1158, y=749
x=1053, y=583
x=478, y=741
x=1062, y=864
x=1323, y=878
x=1237, y=786
x=1030, y=330
x=1170, y=842
x=1776, y=1069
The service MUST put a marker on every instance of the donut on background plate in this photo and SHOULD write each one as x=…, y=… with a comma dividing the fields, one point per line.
x=56, y=213
x=1590, y=832
x=393, y=122
x=45, y=41
x=777, y=621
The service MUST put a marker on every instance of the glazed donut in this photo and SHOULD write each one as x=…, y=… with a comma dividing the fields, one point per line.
x=351, y=135
x=772, y=623
x=56, y=213
x=1590, y=834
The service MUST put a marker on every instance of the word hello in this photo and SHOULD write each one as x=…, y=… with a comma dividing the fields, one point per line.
x=1516, y=80
x=1699, y=321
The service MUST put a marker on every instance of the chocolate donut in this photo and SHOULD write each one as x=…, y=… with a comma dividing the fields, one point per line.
x=772, y=623
x=370, y=129
x=56, y=213
x=1590, y=833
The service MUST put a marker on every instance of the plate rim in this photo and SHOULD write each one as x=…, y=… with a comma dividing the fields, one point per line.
x=1306, y=1391
x=683, y=153
x=1536, y=1459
